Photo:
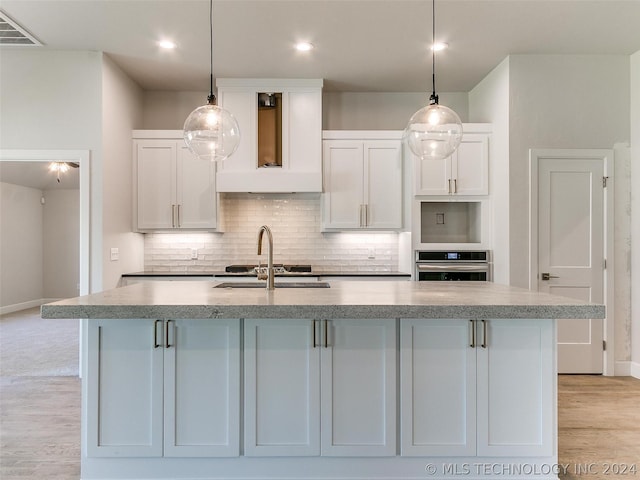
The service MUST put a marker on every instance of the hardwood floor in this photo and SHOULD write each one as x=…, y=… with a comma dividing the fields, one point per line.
x=598, y=417
x=39, y=398
x=599, y=426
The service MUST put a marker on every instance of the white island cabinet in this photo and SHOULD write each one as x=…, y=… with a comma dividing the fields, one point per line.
x=163, y=388
x=320, y=387
x=185, y=380
x=477, y=388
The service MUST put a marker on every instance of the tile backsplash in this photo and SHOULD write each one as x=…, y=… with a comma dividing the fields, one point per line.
x=294, y=220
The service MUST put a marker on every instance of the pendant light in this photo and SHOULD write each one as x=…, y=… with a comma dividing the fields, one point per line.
x=435, y=131
x=210, y=131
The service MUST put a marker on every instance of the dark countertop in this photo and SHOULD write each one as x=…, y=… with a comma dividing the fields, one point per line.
x=222, y=273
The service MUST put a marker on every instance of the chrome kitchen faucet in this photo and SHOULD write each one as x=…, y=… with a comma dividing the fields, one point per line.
x=270, y=275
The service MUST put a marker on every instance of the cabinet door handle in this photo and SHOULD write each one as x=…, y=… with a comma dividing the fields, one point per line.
x=366, y=215
x=449, y=188
x=484, y=334
x=361, y=211
x=155, y=334
x=455, y=185
x=173, y=216
x=326, y=334
x=168, y=328
x=179, y=222
x=313, y=327
x=472, y=333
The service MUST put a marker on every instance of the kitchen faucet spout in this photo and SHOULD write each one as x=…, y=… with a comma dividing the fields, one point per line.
x=270, y=275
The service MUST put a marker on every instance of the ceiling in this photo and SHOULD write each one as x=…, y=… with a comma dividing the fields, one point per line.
x=37, y=175
x=360, y=45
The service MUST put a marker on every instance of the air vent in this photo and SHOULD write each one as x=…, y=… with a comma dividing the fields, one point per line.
x=13, y=34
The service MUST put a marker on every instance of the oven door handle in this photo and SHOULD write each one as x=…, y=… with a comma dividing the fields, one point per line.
x=423, y=267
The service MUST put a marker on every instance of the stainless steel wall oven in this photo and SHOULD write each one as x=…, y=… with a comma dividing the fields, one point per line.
x=448, y=265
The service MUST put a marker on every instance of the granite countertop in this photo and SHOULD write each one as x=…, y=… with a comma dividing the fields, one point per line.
x=344, y=299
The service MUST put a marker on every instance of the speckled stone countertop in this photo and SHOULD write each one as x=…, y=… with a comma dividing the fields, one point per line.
x=344, y=299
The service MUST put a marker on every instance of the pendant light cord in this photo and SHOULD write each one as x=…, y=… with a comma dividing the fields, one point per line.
x=211, y=99
x=434, y=98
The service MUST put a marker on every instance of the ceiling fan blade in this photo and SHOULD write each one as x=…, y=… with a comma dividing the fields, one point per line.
x=73, y=164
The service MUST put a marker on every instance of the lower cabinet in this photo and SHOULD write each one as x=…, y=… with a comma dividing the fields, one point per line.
x=477, y=388
x=469, y=391
x=163, y=388
x=320, y=387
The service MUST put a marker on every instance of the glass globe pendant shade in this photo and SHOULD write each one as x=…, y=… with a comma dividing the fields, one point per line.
x=433, y=132
x=211, y=132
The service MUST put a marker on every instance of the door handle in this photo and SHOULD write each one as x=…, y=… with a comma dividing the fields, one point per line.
x=168, y=329
x=547, y=276
x=472, y=333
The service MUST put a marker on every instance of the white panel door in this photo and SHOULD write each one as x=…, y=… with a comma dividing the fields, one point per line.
x=202, y=388
x=124, y=393
x=156, y=167
x=437, y=388
x=343, y=184
x=358, y=388
x=383, y=181
x=196, y=190
x=282, y=388
x=516, y=388
x=571, y=251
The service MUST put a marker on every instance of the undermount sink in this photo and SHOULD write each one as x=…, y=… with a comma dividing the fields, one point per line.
x=277, y=284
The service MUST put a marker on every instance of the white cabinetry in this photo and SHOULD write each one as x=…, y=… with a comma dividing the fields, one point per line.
x=301, y=136
x=483, y=388
x=320, y=388
x=163, y=388
x=465, y=172
x=362, y=180
x=173, y=188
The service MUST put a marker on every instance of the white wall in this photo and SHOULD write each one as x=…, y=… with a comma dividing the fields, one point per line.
x=61, y=243
x=340, y=110
x=559, y=101
x=122, y=101
x=381, y=111
x=635, y=213
x=21, y=254
x=164, y=110
x=52, y=100
x=489, y=103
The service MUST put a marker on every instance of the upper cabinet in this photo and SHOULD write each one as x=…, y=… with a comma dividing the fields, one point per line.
x=465, y=172
x=362, y=180
x=280, y=124
x=173, y=188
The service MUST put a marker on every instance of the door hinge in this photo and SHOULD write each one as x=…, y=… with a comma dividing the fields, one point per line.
x=604, y=345
x=604, y=263
x=604, y=182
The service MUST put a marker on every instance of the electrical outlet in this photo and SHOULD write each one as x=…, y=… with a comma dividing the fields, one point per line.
x=194, y=254
x=115, y=254
x=371, y=253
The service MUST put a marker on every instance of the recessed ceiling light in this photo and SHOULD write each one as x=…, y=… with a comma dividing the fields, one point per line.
x=438, y=46
x=304, y=46
x=167, y=44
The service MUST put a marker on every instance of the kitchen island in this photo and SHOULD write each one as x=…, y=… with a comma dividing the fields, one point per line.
x=375, y=380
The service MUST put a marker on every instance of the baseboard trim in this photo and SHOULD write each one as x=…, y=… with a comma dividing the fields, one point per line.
x=634, y=369
x=16, y=307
